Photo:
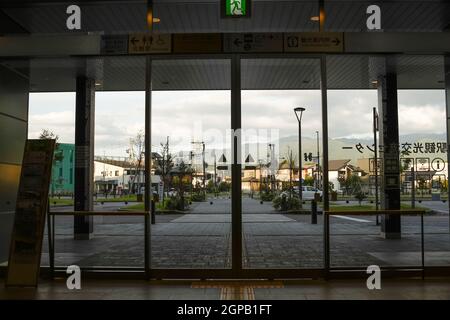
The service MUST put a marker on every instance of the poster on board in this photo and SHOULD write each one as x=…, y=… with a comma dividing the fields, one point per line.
x=31, y=208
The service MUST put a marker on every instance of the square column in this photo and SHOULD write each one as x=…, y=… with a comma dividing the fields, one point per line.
x=84, y=156
x=389, y=147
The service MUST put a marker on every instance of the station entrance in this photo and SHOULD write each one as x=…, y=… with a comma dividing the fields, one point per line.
x=234, y=166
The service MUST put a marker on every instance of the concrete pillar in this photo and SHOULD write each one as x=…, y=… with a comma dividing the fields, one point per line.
x=389, y=147
x=14, y=89
x=84, y=155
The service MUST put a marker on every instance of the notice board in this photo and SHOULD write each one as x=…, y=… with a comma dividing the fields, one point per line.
x=31, y=208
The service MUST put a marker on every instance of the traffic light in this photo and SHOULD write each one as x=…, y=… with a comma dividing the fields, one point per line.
x=305, y=156
x=308, y=156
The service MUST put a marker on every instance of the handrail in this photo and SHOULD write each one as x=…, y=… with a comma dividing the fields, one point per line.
x=375, y=212
x=51, y=231
x=410, y=212
x=99, y=213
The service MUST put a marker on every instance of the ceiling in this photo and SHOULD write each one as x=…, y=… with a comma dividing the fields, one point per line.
x=193, y=16
x=127, y=73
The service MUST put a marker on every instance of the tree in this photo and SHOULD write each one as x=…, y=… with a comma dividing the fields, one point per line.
x=309, y=181
x=47, y=134
x=351, y=184
x=354, y=182
x=137, y=152
x=183, y=173
x=58, y=157
x=165, y=165
x=290, y=160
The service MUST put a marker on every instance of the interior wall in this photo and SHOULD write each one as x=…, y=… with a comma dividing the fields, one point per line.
x=14, y=89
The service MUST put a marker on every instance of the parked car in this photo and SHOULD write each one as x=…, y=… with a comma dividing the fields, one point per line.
x=308, y=192
x=172, y=192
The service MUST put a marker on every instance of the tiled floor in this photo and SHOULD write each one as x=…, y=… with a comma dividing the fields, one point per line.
x=137, y=290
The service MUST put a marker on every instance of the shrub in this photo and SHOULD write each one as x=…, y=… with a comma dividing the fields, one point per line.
x=267, y=196
x=360, y=196
x=198, y=197
x=175, y=203
x=286, y=203
x=224, y=186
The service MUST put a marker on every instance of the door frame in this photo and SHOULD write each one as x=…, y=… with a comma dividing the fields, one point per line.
x=237, y=271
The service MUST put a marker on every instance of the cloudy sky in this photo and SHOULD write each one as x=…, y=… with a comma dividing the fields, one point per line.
x=205, y=116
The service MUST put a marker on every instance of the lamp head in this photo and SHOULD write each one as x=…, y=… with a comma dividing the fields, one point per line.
x=298, y=113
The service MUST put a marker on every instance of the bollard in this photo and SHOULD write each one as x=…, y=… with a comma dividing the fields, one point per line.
x=313, y=212
x=153, y=212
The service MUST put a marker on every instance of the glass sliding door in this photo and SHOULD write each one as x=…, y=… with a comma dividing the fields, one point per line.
x=277, y=228
x=191, y=178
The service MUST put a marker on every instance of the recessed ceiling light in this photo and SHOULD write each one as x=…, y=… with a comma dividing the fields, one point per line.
x=374, y=82
x=98, y=83
x=315, y=18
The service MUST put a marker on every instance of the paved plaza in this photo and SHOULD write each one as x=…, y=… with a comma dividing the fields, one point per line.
x=201, y=238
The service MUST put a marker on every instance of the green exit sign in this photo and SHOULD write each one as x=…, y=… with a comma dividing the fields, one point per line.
x=236, y=8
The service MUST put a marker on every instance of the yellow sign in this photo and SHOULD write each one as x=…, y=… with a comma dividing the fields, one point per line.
x=314, y=42
x=31, y=209
x=142, y=43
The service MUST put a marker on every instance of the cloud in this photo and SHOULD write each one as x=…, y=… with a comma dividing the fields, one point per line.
x=60, y=123
x=205, y=116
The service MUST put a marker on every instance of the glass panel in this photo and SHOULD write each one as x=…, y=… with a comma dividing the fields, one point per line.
x=423, y=146
x=358, y=240
x=53, y=113
x=192, y=171
x=278, y=232
x=115, y=241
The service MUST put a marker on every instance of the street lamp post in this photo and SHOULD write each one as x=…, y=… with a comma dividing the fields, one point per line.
x=318, y=164
x=298, y=113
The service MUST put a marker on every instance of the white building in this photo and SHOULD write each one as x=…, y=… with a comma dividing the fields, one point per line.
x=341, y=170
x=117, y=177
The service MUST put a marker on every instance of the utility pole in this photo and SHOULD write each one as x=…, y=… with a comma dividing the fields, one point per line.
x=375, y=159
x=215, y=174
x=318, y=162
x=203, y=164
x=204, y=168
x=260, y=177
x=271, y=150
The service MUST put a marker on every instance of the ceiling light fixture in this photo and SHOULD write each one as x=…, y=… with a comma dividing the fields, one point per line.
x=315, y=18
x=150, y=18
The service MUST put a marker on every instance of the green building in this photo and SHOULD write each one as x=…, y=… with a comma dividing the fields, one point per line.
x=63, y=170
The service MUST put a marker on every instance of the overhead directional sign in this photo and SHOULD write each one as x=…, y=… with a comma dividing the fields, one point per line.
x=149, y=43
x=114, y=44
x=197, y=43
x=253, y=42
x=314, y=42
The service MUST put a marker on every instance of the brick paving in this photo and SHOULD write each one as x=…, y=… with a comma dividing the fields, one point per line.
x=202, y=239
